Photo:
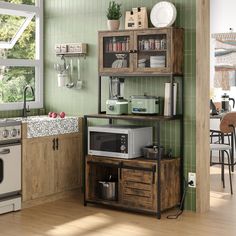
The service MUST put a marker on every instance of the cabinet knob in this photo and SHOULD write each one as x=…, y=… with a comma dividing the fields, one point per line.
x=131, y=51
x=135, y=51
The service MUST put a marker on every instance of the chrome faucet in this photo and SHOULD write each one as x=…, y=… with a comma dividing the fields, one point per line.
x=26, y=110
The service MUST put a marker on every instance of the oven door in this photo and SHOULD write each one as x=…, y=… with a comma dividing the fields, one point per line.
x=10, y=169
x=108, y=144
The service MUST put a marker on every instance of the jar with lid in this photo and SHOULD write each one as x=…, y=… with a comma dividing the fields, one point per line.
x=151, y=44
x=163, y=44
x=146, y=45
x=114, y=45
x=157, y=44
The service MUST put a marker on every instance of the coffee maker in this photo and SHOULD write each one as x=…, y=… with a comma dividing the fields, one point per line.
x=116, y=104
x=225, y=99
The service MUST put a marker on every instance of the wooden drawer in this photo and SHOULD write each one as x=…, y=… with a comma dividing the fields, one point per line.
x=137, y=192
x=142, y=186
x=138, y=201
x=138, y=176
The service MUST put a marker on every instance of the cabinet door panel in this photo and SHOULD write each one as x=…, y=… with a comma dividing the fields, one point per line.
x=68, y=164
x=38, y=168
x=153, y=51
x=114, y=52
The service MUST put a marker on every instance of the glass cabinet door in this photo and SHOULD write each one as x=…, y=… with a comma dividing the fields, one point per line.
x=114, y=53
x=153, y=51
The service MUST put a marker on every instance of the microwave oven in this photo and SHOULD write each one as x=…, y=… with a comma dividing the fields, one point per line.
x=118, y=141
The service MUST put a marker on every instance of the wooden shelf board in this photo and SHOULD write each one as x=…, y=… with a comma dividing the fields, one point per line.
x=154, y=50
x=117, y=52
x=135, y=117
x=144, y=74
x=116, y=204
x=139, y=159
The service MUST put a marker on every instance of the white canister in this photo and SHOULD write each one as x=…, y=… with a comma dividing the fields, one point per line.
x=62, y=80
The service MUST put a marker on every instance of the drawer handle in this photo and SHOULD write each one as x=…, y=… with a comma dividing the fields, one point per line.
x=54, y=144
x=57, y=143
x=5, y=151
x=153, y=174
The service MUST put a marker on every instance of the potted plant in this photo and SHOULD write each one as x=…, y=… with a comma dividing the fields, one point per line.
x=113, y=15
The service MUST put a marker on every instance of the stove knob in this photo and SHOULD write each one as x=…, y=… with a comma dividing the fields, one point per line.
x=13, y=132
x=5, y=133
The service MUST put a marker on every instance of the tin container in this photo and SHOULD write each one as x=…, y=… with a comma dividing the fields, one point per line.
x=108, y=190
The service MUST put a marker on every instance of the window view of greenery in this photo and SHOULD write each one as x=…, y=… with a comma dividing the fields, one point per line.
x=28, y=2
x=14, y=79
x=9, y=26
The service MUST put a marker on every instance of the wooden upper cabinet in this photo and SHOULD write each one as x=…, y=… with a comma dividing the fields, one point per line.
x=141, y=52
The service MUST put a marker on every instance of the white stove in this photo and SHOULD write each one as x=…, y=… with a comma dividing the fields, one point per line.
x=10, y=165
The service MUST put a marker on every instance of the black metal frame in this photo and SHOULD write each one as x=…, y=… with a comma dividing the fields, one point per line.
x=158, y=120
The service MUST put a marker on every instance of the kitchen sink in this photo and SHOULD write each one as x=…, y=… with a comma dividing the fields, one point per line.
x=40, y=126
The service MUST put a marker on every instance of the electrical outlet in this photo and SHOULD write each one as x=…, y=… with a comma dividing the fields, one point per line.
x=192, y=179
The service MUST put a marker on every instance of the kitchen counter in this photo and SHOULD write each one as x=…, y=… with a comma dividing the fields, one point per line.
x=40, y=126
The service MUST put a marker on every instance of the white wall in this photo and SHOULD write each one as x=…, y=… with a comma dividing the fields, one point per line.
x=222, y=18
x=223, y=15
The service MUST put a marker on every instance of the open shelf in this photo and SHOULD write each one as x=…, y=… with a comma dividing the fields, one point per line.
x=116, y=52
x=133, y=74
x=114, y=204
x=136, y=117
x=154, y=50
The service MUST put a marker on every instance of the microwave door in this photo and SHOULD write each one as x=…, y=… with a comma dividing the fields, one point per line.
x=106, y=142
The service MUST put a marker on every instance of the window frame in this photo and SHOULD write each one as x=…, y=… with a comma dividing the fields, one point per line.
x=37, y=11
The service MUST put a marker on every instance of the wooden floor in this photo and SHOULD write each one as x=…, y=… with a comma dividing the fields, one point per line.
x=68, y=217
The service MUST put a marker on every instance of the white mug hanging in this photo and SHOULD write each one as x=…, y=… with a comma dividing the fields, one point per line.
x=62, y=80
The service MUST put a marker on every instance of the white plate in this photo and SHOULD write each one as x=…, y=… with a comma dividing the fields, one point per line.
x=163, y=14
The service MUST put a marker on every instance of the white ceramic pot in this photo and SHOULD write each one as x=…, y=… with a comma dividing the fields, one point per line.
x=113, y=24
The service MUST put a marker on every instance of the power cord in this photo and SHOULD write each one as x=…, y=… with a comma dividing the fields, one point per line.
x=181, y=206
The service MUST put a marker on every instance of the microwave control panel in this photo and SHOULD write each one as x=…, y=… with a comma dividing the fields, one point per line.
x=123, y=144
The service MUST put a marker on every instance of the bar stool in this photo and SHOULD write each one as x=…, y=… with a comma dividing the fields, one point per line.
x=227, y=125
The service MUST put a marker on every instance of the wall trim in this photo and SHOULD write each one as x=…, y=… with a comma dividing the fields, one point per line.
x=202, y=105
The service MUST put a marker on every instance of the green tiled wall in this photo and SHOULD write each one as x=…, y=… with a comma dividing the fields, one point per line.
x=79, y=21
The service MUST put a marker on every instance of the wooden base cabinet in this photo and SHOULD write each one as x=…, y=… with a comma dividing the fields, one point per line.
x=51, y=165
x=37, y=168
x=68, y=164
x=137, y=181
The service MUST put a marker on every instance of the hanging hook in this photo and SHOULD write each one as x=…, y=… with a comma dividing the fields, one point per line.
x=64, y=61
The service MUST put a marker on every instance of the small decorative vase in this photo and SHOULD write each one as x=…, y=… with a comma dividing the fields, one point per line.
x=113, y=24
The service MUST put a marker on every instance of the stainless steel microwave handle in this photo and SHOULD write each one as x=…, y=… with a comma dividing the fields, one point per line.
x=5, y=151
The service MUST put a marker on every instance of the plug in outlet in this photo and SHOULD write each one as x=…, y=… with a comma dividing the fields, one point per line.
x=192, y=180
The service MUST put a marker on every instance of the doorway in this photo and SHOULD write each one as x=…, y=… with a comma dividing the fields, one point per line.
x=203, y=35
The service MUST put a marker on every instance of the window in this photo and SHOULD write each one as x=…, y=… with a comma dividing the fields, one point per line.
x=21, y=53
